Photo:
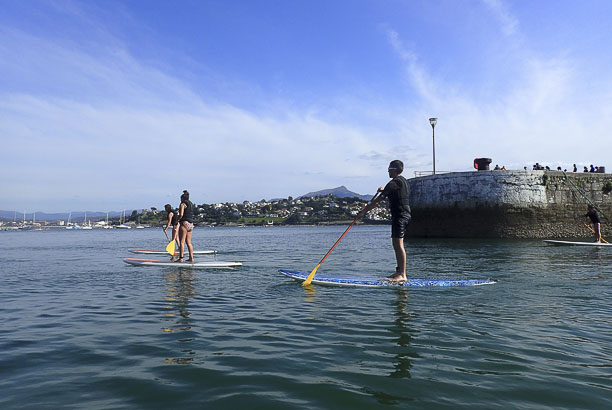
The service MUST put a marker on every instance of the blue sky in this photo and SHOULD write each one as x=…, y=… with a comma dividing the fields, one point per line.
x=123, y=104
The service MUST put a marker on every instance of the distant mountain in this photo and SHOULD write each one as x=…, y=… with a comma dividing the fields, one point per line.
x=75, y=216
x=340, y=192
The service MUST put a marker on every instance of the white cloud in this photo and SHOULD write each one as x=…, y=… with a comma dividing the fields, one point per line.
x=545, y=112
x=94, y=127
x=509, y=24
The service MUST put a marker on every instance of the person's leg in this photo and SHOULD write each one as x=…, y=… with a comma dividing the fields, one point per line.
x=189, y=245
x=398, y=229
x=182, y=237
x=175, y=236
x=400, y=257
x=597, y=232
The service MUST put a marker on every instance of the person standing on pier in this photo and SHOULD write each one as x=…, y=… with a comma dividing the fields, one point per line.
x=596, y=222
x=398, y=193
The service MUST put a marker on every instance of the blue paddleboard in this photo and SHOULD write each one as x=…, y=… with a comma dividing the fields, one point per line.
x=382, y=283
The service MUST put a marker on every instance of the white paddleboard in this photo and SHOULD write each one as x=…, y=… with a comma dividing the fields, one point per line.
x=194, y=265
x=152, y=252
x=555, y=242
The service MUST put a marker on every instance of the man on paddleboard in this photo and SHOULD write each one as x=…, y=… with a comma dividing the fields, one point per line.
x=596, y=222
x=398, y=193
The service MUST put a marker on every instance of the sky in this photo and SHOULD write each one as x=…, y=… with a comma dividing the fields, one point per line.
x=123, y=104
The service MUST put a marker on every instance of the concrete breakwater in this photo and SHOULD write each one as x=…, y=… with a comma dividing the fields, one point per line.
x=508, y=204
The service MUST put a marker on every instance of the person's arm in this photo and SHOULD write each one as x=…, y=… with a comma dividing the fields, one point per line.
x=181, y=211
x=170, y=215
x=374, y=203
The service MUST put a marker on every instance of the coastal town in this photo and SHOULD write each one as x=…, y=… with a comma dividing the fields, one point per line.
x=318, y=210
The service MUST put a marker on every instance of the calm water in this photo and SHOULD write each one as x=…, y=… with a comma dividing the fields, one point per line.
x=81, y=329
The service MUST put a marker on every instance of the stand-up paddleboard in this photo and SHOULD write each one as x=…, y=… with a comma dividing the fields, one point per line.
x=194, y=265
x=152, y=252
x=555, y=242
x=382, y=283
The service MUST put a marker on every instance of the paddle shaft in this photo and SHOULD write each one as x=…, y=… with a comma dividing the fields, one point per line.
x=309, y=279
x=167, y=237
x=592, y=230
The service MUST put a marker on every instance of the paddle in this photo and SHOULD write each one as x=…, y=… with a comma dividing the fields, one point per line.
x=311, y=276
x=170, y=248
x=592, y=230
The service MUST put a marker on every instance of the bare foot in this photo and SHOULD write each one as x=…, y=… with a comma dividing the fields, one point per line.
x=397, y=277
x=397, y=272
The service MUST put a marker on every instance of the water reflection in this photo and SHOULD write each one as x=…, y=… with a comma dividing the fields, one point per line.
x=180, y=289
x=402, y=360
x=310, y=294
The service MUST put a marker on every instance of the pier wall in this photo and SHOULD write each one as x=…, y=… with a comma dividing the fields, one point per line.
x=508, y=204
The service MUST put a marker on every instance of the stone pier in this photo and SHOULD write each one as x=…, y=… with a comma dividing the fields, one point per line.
x=508, y=204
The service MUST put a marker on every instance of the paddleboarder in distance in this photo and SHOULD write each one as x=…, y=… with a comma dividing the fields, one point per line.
x=596, y=222
x=172, y=221
x=398, y=193
x=186, y=226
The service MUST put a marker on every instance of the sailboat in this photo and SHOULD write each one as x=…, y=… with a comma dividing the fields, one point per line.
x=68, y=226
x=85, y=224
x=107, y=226
x=123, y=225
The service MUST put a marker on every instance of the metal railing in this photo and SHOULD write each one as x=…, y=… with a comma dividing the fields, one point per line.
x=426, y=173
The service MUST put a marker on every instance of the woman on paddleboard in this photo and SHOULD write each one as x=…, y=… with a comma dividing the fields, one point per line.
x=186, y=226
x=398, y=193
x=596, y=222
x=173, y=217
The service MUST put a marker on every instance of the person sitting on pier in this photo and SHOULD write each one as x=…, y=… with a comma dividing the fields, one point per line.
x=496, y=168
x=592, y=169
x=585, y=169
x=596, y=222
x=575, y=169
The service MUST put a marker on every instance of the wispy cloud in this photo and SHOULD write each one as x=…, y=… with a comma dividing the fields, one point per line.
x=536, y=118
x=509, y=23
x=88, y=123
x=84, y=121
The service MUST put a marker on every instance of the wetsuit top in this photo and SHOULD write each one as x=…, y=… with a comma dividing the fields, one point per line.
x=398, y=192
x=188, y=212
x=175, y=215
x=594, y=217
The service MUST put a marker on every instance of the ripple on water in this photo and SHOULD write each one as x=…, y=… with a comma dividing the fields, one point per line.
x=82, y=329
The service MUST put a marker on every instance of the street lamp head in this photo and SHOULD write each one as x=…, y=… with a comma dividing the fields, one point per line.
x=433, y=122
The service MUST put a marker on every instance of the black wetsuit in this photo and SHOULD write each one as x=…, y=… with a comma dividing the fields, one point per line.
x=398, y=193
x=594, y=217
x=175, y=215
x=188, y=212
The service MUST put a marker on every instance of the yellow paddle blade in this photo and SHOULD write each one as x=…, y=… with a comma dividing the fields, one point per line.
x=170, y=248
x=311, y=276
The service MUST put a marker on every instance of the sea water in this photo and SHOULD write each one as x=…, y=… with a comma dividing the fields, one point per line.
x=82, y=329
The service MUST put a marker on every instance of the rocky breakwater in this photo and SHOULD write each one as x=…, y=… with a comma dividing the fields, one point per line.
x=508, y=204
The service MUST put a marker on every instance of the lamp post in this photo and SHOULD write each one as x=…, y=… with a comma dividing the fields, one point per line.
x=433, y=122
